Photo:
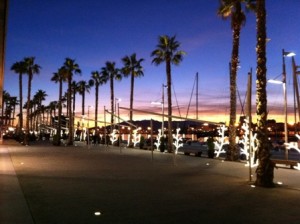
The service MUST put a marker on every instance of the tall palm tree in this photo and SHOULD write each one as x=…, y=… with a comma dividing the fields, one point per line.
x=133, y=68
x=20, y=69
x=71, y=68
x=96, y=80
x=39, y=97
x=75, y=90
x=233, y=9
x=31, y=69
x=5, y=101
x=12, y=105
x=265, y=169
x=112, y=73
x=53, y=105
x=60, y=77
x=83, y=87
x=167, y=50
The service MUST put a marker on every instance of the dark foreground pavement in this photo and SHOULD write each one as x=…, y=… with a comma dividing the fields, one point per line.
x=46, y=184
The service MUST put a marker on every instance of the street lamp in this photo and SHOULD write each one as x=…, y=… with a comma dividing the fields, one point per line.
x=162, y=103
x=283, y=82
x=88, y=127
x=285, y=54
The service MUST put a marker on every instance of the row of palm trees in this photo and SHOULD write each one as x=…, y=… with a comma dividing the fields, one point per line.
x=132, y=67
x=8, y=109
x=38, y=111
x=167, y=51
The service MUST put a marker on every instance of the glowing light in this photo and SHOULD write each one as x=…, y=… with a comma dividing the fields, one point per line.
x=97, y=213
x=207, y=164
x=178, y=140
x=279, y=182
x=157, y=144
x=252, y=185
x=245, y=142
x=221, y=141
x=136, y=138
x=113, y=136
x=289, y=54
x=274, y=81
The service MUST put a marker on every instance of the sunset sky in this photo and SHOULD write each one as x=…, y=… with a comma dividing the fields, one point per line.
x=96, y=31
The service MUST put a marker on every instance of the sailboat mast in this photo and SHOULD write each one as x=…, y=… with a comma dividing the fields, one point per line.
x=197, y=95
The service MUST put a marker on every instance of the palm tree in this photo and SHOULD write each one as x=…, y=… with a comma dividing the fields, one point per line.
x=20, y=68
x=265, y=169
x=53, y=105
x=83, y=87
x=12, y=105
x=5, y=105
x=96, y=80
x=133, y=68
x=31, y=69
x=75, y=90
x=168, y=51
x=233, y=9
x=71, y=68
x=39, y=97
x=60, y=77
x=112, y=73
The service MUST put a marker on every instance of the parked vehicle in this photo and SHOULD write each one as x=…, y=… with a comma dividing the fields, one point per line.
x=195, y=148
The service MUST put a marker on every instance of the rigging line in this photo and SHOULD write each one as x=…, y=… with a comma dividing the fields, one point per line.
x=176, y=100
x=244, y=102
x=188, y=109
x=242, y=105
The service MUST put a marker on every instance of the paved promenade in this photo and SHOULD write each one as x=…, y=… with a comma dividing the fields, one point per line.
x=57, y=185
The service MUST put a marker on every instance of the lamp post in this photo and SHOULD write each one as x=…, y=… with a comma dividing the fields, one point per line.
x=162, y=103
x=163, y=109
x=283, y=82
x=88, y=127
x=285, y=54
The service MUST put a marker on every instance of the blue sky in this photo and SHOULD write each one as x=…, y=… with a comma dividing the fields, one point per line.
x=96, y=31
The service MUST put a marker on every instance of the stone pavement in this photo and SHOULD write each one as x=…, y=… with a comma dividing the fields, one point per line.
x=46, y=184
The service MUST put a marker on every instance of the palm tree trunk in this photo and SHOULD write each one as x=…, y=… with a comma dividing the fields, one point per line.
x=21, y=102
x=96, y=103
x=233, y=150
x=131, y=107
x=112, y=99
x=83, y=98
x=265, y=169
x=58, y=134
x=26, y=140
x=169, y=84
x=70, y=138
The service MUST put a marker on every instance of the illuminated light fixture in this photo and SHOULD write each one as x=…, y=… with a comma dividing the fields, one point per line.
x=274, y=81
x=288, y=54
x=279, y=182
x=97, y=213
x=207, y=164
x=252, y=185
x=156, y=103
